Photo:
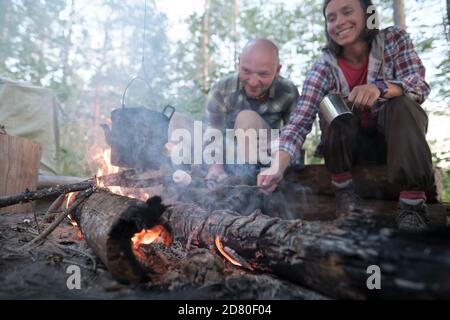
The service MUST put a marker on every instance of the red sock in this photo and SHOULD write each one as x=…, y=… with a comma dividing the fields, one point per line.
x=341, y=180
x=413, y=197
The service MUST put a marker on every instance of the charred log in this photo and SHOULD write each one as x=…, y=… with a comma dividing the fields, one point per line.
x=108, y=222
x=329, y=257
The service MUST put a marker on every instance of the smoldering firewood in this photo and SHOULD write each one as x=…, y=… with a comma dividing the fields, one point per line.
x=330, y=257
x=204, y=268
x=108, y=222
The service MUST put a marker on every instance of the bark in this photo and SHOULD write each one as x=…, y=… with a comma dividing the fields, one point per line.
x=329, y=257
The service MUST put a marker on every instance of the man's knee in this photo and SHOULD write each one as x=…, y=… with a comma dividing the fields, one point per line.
x=249, y=119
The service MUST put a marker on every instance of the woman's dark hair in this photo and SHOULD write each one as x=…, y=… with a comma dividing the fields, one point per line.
x=368, y=34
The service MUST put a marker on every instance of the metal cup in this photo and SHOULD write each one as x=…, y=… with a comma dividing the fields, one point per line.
x=333, y=107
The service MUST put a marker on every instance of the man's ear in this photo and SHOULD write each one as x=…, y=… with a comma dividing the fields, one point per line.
x=278, y=69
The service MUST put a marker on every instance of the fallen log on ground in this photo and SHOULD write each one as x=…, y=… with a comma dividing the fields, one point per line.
x=329, y=257
x=371, y=182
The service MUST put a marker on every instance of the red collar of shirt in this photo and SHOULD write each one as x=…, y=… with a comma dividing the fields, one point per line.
x=354, y=76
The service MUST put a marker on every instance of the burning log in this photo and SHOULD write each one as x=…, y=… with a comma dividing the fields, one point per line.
x=109, y=222
x=331, y=258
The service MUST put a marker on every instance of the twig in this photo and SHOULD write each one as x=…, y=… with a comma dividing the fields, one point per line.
x=58, y=220
x=43, y=193
x=55, y=205
x=36, y=221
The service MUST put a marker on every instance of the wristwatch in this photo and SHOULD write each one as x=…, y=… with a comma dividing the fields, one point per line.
x=382, y=86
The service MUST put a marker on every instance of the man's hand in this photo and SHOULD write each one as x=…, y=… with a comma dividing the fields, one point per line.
x=364, y=97
x=216, y=174
x=268, y=179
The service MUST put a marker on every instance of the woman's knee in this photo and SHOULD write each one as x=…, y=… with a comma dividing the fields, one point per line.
x=404, y=110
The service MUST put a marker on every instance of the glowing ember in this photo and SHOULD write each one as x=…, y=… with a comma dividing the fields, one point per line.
x=224, y=253
x=157, y=234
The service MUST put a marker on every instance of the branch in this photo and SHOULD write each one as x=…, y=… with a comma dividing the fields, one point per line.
x=28, y=196
x=58, y=220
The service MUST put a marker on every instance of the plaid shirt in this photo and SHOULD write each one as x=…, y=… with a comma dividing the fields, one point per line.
x=227, y=98
x=392, y=58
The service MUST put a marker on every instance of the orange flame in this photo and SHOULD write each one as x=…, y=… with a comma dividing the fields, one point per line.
x=224, y=253
x=103, y=157
x=72, y=221
x=157, y=234
x=69, y=199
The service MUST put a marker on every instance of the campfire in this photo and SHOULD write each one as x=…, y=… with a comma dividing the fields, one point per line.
x=165, y=227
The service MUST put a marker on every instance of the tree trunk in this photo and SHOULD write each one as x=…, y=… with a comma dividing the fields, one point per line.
x=448, y=12
x=399, y=13
x=19, y=165
x=4, y=11
x=68, y=45
x=331, y=258
x=235, y=32
x=205, y=47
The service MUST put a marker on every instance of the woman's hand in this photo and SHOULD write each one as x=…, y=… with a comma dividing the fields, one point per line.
x=268, y=179
x=364, y=97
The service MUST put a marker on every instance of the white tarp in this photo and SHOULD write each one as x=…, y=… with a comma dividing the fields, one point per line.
x=31, y=112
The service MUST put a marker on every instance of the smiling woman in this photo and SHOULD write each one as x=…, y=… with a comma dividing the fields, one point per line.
x=380, y=74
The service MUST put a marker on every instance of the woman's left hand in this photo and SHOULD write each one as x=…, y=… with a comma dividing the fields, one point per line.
x=364, y=97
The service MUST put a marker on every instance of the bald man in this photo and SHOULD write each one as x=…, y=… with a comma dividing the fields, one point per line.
x=255, y=97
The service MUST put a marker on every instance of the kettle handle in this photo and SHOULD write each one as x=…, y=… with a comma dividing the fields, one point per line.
x=168, y=107
x=129, y=84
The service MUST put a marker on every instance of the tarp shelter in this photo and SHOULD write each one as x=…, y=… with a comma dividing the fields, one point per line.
x=32, y=112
